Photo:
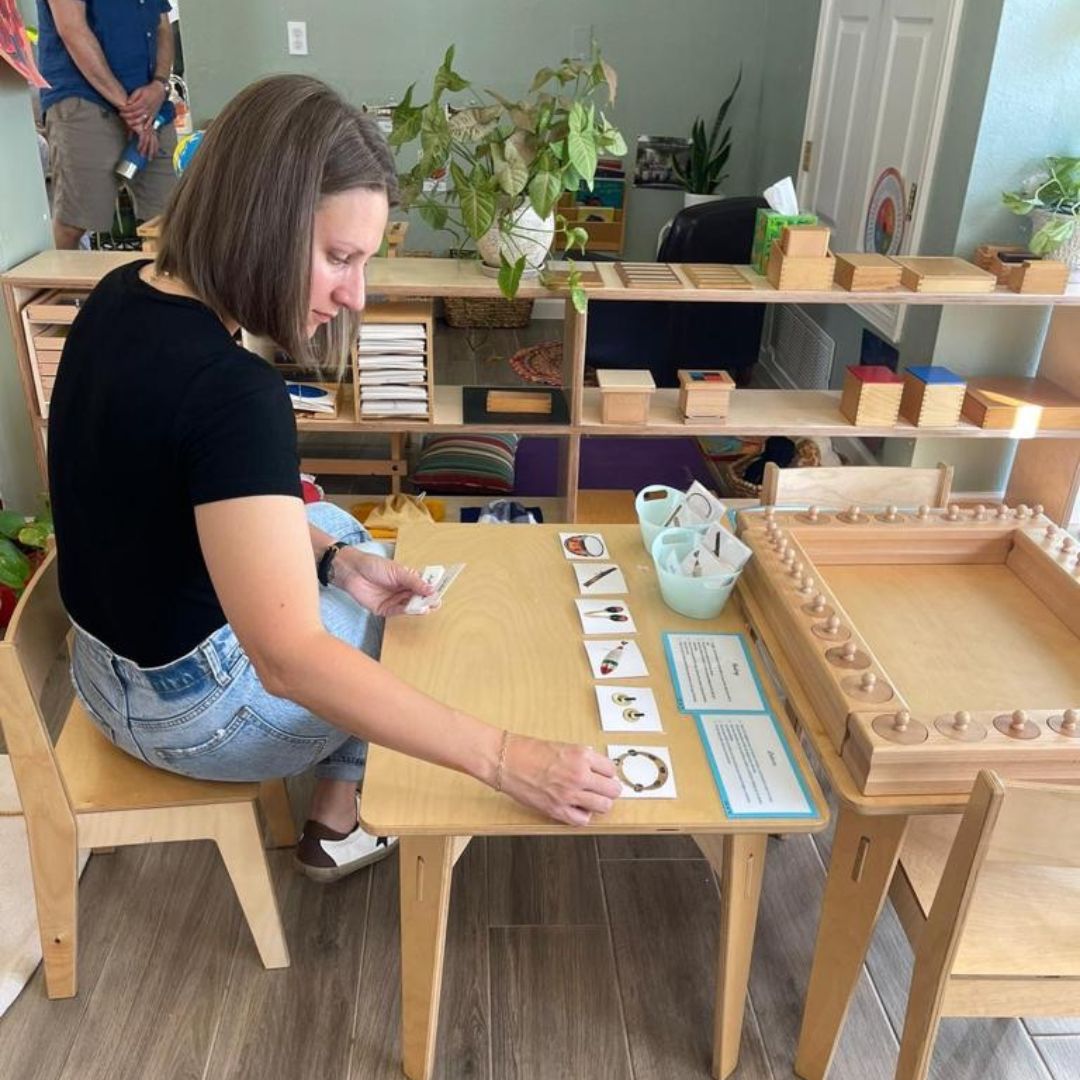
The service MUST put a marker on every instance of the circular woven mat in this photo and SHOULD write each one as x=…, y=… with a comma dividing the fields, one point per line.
x=540, y=364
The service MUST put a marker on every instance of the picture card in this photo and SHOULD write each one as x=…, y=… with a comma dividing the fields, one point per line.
x=753, y=767
x=627, y=708
x=725, y=546
x=615, y=658
x=442, y=577
x=600, y=579
x=700, y=562
x=713, y=673
x=701, y=504
x=645, y=772
x=605, y=616
x=576, y=545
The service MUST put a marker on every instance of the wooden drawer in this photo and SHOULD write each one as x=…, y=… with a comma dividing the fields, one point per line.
x=50, y=341
x=55, y=306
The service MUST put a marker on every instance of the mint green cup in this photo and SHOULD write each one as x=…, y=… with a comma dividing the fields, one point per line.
x=696, y=598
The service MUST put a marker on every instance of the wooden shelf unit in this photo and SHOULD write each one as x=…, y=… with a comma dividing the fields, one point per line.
x=752, y=412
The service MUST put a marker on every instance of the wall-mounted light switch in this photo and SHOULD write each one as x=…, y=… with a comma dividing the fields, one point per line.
x=297, y=38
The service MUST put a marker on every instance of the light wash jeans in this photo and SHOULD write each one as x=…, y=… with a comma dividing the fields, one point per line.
x=207, y=715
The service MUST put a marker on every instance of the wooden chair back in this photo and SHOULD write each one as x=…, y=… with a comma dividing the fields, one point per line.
x=28, y=651
x=862, y=485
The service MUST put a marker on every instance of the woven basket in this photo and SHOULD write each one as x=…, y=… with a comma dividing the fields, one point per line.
x=496, y=312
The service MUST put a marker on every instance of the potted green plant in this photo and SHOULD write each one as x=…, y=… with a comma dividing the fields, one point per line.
x=509, y=161
x=704, y=169
x=1052, y=198
x=23, y=543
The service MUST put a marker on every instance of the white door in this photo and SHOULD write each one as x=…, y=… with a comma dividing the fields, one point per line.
x=877, y=98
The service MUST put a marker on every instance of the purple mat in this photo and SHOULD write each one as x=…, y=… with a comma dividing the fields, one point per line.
x=610, y=462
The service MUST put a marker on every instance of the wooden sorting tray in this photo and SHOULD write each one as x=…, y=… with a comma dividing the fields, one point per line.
x=55, y=306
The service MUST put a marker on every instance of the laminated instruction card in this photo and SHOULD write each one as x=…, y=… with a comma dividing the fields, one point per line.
x=716, y=681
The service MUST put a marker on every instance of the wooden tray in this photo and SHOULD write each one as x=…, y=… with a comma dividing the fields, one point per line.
x=557, y=273
x=714, y=276
x=55, y=306
x=640, y=275
x=866, y=273
x=941, y=612
x=1003, y=402
x=944, y=274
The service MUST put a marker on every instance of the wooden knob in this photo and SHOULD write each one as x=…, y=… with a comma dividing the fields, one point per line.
x=890, y=513
x=796, y=569
x=855, y=511
x=1037, y=509
x=1003, y=511
x=923, y=512
x=953, y=513
x=1050, y=533
x=901, y=720
x=769, y=513
x=1022, y=511
x=807, y=585
x=980, y=512
x=789, y=556
x=1071, y=720
x=962, y=720
x=813, y=513
x=1067, y=545
x=847, y=653
x=832, y=624
x=819, y=604
x=1019, y=720
x=868, y=681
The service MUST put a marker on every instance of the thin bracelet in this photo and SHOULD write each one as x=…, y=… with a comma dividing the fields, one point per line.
x=502, y=759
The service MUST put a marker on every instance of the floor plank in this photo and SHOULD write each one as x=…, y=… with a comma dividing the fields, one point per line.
x=787, y=925
x=155, y=1007
x=647, y=847
x=1053, y=1025
x=555, y=1011
x=664, y=924
x=1061, y=1054
x=544, y=881
x=36, y=1034
x=295, y=1022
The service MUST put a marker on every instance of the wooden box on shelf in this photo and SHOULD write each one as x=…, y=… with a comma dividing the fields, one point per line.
x=805, y=241
x=1004, y=402
x=798, y=272
x=1021, y=271
x=932, y=397
x=858, y=272
x=704, y=395
x=624, y=395
x=871, y=396
x=55, y=306
x=944, y=274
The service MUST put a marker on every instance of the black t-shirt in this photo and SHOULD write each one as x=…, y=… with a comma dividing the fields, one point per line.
x=155, y=410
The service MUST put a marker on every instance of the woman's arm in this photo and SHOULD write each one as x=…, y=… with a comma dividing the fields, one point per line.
x=270, y=596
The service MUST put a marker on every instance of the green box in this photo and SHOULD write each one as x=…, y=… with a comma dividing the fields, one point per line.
x=768, y=226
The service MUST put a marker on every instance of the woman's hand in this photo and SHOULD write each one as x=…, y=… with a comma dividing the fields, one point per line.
x=381, y=585
x=568, y=783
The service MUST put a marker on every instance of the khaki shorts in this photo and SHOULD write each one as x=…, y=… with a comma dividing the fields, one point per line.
x=85, y=143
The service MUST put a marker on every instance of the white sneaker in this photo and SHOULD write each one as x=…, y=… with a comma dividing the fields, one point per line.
x=325, y=855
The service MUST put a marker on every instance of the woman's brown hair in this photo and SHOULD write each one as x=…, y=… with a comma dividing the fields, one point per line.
x=237, y=230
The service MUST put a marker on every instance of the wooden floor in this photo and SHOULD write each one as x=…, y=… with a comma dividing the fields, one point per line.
x=573, y=959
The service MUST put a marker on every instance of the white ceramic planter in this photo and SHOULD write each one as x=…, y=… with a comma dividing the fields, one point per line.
x=692, y=199
x=530, y=235
x=1069, y=252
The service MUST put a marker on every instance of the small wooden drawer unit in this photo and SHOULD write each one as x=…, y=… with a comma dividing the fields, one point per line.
x=932, y=397
x=871, y=396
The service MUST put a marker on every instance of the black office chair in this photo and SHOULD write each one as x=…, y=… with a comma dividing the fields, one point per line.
x=663, y=335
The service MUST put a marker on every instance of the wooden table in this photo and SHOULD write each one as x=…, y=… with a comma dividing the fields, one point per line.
x=507, y=647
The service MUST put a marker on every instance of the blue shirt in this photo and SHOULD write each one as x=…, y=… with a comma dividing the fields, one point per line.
x=127, y=31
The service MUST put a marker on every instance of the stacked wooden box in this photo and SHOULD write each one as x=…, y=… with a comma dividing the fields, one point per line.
x=704, y=396
x=871, y=396
x=1021, y=271
x=46, y=321
x=800, y=259
x=932, y=397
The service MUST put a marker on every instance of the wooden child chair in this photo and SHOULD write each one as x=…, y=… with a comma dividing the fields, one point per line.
x=996, y=925
x=86, y=793
x=862, y=485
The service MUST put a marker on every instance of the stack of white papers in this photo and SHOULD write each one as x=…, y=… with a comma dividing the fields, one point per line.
x=392, y=367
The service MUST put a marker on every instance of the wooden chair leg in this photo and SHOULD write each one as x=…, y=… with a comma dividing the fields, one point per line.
x=277, y=814
x=239, y=840
x=54, y=866
x=920, y=1024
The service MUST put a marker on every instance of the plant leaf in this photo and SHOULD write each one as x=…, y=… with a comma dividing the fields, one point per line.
x=579, y=299
x=510, y=275
x=14, y=565
x=473, y=124
x=446, y=78
x=434, y=213
x=611, y=78
x=11, y=523
x=476, y=202
x=581, y=149
x=511, y=172
x=545, y=74
x=1018, y=204
x=544, y=191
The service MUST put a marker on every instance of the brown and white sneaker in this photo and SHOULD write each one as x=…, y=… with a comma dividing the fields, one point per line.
x=326, y=855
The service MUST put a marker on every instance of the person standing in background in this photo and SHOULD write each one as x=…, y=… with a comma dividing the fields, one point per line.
x=108, y=64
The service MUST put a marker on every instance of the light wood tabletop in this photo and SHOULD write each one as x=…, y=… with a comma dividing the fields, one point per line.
x=507, y=646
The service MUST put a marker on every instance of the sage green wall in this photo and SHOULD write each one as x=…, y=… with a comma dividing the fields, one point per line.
x=676, y=60
x=24, y=230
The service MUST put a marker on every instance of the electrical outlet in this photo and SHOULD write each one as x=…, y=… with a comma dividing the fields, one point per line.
x=581, y=39
x=297, y=38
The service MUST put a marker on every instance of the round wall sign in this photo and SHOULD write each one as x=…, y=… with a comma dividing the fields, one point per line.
x=884, y=229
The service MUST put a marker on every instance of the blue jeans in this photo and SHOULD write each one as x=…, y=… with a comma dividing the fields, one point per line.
x=206, y=715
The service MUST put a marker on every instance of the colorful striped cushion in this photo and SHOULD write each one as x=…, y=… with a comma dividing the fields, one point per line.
x=450, y=464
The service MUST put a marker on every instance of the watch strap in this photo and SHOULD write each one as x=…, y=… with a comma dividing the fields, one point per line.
x=324, y=569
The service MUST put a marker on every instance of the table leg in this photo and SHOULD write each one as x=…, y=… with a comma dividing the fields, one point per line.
x=427, y=864
x=864, y=853
x=740, y=861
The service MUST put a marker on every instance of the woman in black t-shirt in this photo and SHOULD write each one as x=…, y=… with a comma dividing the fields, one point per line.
x=227, y=634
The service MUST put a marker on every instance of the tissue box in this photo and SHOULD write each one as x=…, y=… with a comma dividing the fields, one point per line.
x=768, y=226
